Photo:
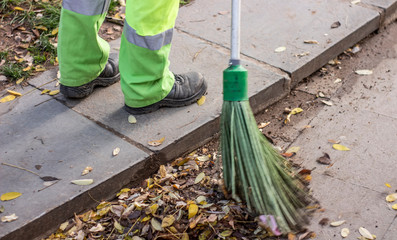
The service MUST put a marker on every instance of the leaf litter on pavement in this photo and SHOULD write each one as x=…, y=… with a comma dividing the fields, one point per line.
x=183, y=200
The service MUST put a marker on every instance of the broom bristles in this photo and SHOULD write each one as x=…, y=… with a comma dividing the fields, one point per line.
x=255, y=172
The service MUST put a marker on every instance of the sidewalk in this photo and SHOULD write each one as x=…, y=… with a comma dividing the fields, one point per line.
x=58, y=137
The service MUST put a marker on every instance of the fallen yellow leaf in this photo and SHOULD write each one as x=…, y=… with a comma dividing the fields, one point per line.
x=365, y=233
x=39, y=68
x=116, y=151
x=340, y=147
x=337, y=223
x=280, y=49
x=124, y=190
x=387, y=185
x=131, y=119
x=63, y=226
x=296, y=111
x=118, y=226
x=226, y=233
x=9, y=196
x=14, y=93
x=83, y=181
x=199, y=178
x=310, y=41
x=41, y=28
x=54, y=31
x=9, y=218
x=391, y=197
x=263, y=125
x=45, y=91
x=103, y=205
x=19, y=81
x=7, y=98
x=201, y=101
x=345, y=232
x=19, y=9
x=27, y=68
x=308, y=178
x=153, y=208
x=364, y=72
x=86, y=171
x=156, y=142
x=293, y=150
x=18, y=59
x=193, y=209
x=54, y=92
x=168, y=221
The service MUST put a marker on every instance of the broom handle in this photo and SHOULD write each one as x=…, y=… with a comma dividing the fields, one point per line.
x=235, y=38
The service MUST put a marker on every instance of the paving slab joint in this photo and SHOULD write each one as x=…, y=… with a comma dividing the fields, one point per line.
x=381, y=11
x=118, y=134
x=226, y=51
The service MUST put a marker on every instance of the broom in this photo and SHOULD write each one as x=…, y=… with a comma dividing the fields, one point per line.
x=253, y=170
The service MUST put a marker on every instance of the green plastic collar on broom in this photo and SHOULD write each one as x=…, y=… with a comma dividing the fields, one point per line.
x=235, y=84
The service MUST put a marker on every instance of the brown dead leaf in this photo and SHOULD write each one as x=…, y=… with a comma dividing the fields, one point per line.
x=311, y=41
x=163, y=171
x=86, y=170
x=335, y=24
x=325, y=159
x=288, y=155
x=324, y=221
x=194, y=222
x=291, y=236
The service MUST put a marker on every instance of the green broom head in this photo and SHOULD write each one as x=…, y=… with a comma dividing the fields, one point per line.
x=252, y=169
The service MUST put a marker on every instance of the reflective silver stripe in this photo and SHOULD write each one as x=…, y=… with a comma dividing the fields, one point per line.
x=87, y=7
x=154, y=42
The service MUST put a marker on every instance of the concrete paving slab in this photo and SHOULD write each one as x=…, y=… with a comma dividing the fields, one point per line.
x=265, y=27
x=370, y=154
x=48, y=138
x=377, y=92
x=183, y=128
x=359, y=206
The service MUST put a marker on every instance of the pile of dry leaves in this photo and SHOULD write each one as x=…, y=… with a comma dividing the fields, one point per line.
x=184, y=200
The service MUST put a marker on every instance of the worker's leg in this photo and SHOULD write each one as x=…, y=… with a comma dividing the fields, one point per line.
x=82, y=54
x=144, y=65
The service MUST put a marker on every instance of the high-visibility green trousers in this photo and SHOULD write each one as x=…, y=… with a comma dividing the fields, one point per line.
x=145, y=47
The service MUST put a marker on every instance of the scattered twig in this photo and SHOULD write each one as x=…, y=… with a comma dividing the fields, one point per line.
x=49, y=185
x=110, y=234
x=197, y=53
x=14, y=166
x=132, y=226
x=93, y=198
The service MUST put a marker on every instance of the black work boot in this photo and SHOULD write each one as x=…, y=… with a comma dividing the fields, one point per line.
x=187, y=89
x=108, y=76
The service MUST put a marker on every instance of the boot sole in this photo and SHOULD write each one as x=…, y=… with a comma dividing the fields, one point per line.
x=168, y=103
x=88, y=88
